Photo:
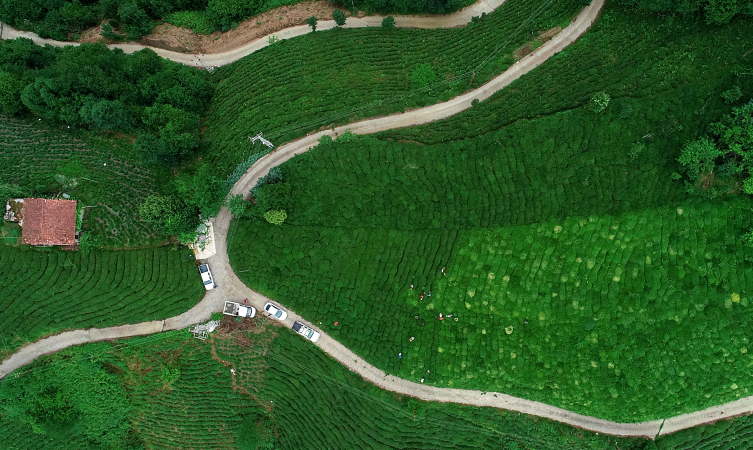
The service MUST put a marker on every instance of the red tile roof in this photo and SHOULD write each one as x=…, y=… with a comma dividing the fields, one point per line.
x=49, y=222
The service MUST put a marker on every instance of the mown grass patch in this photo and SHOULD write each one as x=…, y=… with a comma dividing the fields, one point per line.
x=341, y=76
x=43, y=291
x=112, y=181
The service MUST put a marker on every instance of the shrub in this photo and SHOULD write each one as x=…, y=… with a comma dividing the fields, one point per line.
x=169, y=214
x=339, y=17
x=423, y=75
x=388, y=22
x=312, y=21
x=732, y=95
x=599, y=102
x=236, y=204
x=275, y=217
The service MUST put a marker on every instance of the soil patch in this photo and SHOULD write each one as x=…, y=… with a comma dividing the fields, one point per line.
x=184, y=40
x=536, y=43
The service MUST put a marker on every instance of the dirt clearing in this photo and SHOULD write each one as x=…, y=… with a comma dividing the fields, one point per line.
x=183, y=40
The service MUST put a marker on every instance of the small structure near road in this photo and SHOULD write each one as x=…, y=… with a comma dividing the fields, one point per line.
x=48, y=222
x=202, y=331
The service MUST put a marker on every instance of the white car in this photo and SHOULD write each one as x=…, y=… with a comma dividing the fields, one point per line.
x=238, y=310
x=275, y=312
x=306, y=332
x=206, y=277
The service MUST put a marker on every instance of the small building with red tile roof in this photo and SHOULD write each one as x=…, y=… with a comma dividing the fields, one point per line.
x=49, y=222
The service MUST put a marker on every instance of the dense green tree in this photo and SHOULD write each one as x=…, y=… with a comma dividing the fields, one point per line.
x=388, y=22
x=202, y=189
x=107, y=115
x=699, y=157
x=169, y=214
x=10, y=93
x=339, y=17
x=312, y=21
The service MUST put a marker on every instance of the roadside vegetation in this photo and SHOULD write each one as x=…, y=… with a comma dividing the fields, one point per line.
x=43, y=291
x=582, y=271
x=130, y=19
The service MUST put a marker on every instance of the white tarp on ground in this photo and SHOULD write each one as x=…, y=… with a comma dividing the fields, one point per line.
x=204, y=246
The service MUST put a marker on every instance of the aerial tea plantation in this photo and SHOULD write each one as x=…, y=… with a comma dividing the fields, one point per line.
x=43, y=291
x=559, y=244
x=169, y=391
x=344, y=75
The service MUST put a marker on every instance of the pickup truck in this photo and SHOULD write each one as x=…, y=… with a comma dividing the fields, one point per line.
x=238, y=310
x=306, y=332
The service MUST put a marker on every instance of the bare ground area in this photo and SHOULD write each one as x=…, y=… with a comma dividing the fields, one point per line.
x=184, y=40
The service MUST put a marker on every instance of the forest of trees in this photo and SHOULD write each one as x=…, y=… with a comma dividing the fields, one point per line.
x=715, y=11
x=62, y=19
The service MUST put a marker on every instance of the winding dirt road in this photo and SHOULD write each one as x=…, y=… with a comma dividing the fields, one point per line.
x=230, y=286
x=455, y=19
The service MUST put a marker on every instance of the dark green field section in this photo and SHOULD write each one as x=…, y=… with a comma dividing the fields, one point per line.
x=44, y=291
x=111, y=180
x=340, y=76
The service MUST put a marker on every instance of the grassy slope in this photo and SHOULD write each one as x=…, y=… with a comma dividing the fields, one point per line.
x=313, y=400
x=43, y=291
x=339, y=76
x=538, y=171
x=112, y=180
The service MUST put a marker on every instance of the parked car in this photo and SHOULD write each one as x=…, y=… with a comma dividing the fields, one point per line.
x=238, y=310
x=275, y=312
x=306, y=332
x=206, y=276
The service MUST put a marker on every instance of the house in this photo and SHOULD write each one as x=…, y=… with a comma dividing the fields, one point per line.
x=48, y=222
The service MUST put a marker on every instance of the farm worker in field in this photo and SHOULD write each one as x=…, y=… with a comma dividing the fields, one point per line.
x=232, y=371
x=443, y=271
x=440, y=316
x=411, y=339
x=422, y=380
x=421, y=298
x=336, y=323
x=400, y=355
x=411, y=287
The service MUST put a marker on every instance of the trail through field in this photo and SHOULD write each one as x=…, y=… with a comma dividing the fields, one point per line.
x=456, y=19
x=230, y=286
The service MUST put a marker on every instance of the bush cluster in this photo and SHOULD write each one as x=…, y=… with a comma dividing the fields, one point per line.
x=100, y=89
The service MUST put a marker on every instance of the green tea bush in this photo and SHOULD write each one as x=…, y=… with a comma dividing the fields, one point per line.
x=45, y=291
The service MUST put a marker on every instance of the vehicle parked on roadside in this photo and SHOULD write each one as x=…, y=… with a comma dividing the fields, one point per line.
x=238, y=310
x=275, y=312
x=206, y=277
x=306, y=332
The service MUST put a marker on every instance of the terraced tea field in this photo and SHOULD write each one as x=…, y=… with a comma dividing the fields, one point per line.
x=181, y=394
x=44, y=291
x=647, y=308
x=655, y=69
x=111, y=180
x=339, y=76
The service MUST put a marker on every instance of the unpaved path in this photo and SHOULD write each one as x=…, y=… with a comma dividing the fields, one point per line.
x=230, y=286
x=455, y=19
